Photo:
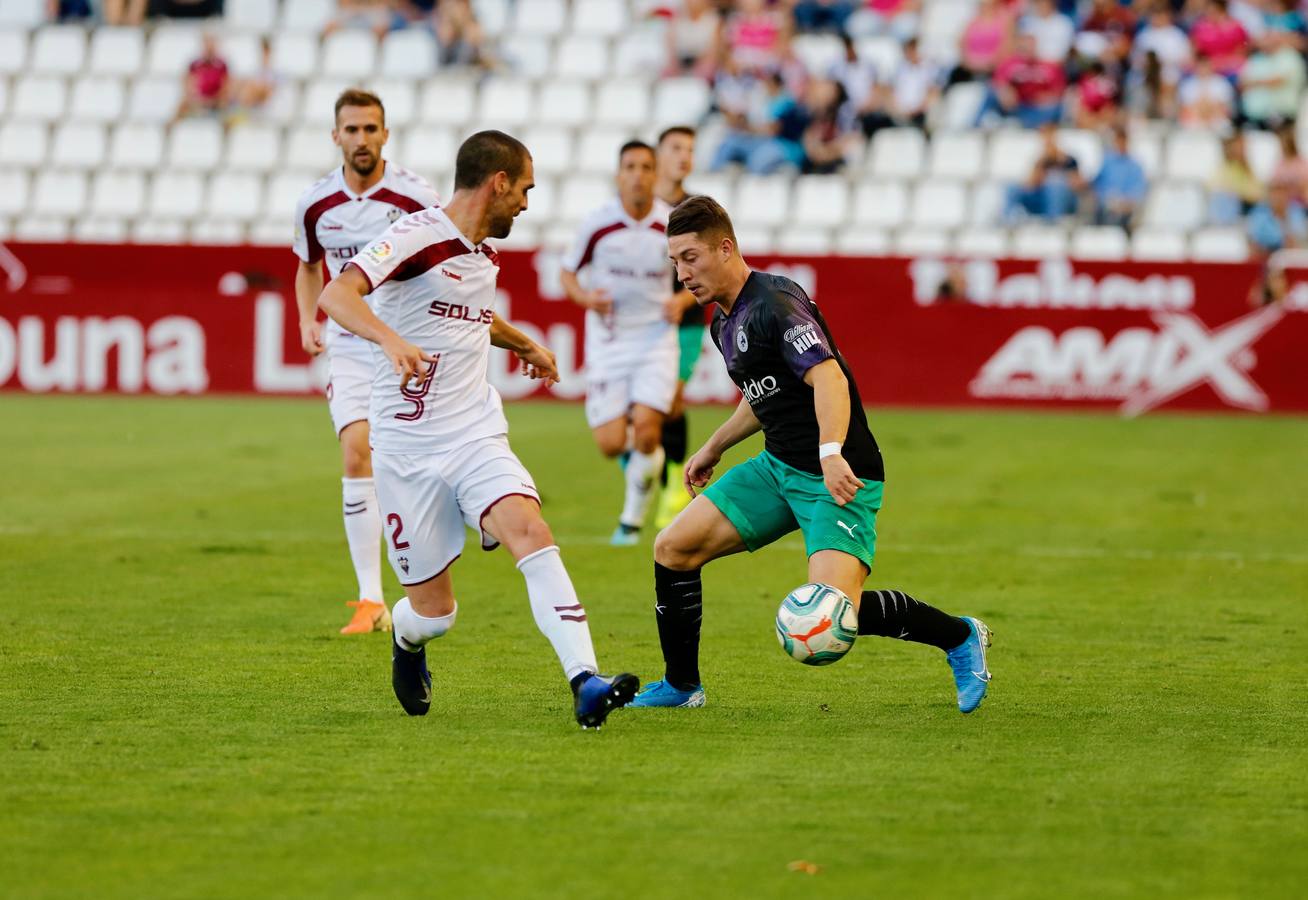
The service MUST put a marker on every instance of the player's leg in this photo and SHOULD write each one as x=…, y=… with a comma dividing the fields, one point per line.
x=348, y=393
x=497, y=496
x=641, y=473
x=743, y=510
x=676, y=437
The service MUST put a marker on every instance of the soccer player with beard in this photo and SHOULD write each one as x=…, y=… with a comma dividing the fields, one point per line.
x=440, y=439
x=820, y=471
x=335, y=218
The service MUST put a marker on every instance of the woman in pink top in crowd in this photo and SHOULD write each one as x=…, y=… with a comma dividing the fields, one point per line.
x=987, y=39
x=755, y=32
x=1222, y=38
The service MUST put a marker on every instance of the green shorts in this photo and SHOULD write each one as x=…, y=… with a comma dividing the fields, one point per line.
x=765, y=499
x=691, y=338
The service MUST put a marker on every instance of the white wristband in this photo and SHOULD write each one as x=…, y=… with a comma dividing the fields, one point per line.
x=831, y=448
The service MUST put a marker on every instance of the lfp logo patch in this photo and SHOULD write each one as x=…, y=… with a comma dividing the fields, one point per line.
x=379, y=251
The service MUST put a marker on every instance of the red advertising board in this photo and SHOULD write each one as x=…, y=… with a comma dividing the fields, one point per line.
x=1127, y=336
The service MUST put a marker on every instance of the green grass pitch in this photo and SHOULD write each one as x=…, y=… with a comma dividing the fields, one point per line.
x=179, y=718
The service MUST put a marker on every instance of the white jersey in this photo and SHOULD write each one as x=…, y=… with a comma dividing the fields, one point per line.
x=627, y=258
x=333, y=223
x=436, y=290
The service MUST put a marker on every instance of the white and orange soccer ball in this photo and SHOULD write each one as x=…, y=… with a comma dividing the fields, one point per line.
x=817, y=624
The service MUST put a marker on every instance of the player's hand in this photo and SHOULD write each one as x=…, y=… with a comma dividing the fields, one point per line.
x=699, y=469
x=598, y=300
x=539, y=363
x=840, y=480
x=311, y=337
x=408, y=360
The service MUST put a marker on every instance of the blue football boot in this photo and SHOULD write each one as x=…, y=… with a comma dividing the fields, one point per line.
x=660, y=693
x=599, y=695
x=624, y=536
x=968, y=660
x=410, y=678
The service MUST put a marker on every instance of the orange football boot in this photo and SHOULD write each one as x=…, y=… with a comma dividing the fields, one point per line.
x=369, y=615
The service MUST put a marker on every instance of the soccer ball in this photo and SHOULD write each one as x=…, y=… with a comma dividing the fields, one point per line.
x=816, y=624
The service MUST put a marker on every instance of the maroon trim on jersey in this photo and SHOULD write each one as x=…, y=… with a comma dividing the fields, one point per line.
x=490, y=253
x=659, y=226
x=426, y=258
x=311, y=217
x=486, y=512
x=595, y=239
x=386, y=195
x=445, y=569
x=371, y=288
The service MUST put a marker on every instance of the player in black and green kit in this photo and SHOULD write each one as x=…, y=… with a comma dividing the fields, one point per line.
x=820, y=471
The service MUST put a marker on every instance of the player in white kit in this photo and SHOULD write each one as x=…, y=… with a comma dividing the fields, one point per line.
x=631, y=341
x=440, y=448
x=335, y=219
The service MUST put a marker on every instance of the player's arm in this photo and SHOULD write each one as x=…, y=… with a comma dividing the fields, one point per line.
x=598, y=300
x=742, y=424
x=537, y=361
x=678, y=304
x=831, y=405
x=342, y=299
x=308, y=285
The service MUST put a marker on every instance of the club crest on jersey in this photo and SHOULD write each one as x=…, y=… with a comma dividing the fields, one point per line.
x=404, y=563
x=742, y=340
x=394, y=214
x=379, y=251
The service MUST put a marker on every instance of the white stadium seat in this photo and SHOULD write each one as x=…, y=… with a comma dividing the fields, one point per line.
x=939, y=204
x=1219, y=245
x=23, y=13
x=542, y=208
x=447, y=101
x=961, y=104
x=523, y=237
x=1012, y=154
x=271, y=232
x=59, y=194
x=680, y=101
x=820, y=201
x=763, y=200
x=1149, y=245
x=23, y=144
x=97, y=230
x=982, y=243
x=641, y=50
x=1179, y=206
x=623, y=101
x=942, y=24
x=58, y=50
x=506, y=102
x=863, y=242
x=897, y=153
x=818, y=51
x=98, y=99
x=804, y=241
x=493, y=15
x=401, y=99
x=1039, y=242
x=957, y=154
x=583, y=57
x=118, y=194
x=137, y=146
x=216, y=231
x=987, y=204
x=173, y=48
x=880, y=204
x=79, y=145
x=1086, y=147
x=552, y=150
x=176, y=195
x=15, y=187
x=295, y=55
x=153, y=230
x=283, y=193
x=319, y=104
x=349, y=54
x=307, y=15
x=310, y=147
x=117, y=51
x=755, y=241
x=581, y=195
x=4, y=96
x=921, y=242
x=243, y=53
x=38, y=97
x=258, y=16
x=528, y=55
x=42, y=229
x=429, y=149
x=195, y=145
x=563, y=103
x=154, y=100
x=884, y=53
x=284, y=105
x=1145, y=146
x=254, y=148
x=233, y=195
x=540, y=17
x=720, y=186
x=1102, y=243
x=13, y=51
x=601, y=17
x=410, y=53
x=1263, y=151
x=1192, y=155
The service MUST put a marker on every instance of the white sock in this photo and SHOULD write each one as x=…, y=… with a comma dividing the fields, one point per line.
x=559, y=614
x=642, y=471
x=413, y=630
x=363, y=530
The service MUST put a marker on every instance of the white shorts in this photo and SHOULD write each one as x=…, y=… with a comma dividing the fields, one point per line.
x=426, y=500
x=349, y=381
x=630, y=368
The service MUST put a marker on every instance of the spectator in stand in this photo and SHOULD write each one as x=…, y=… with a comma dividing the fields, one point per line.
x=1272, y=81
x=185, y=9
x=768, y=137
x=1234, y=190
x=207, y=82
x=693, y=35
x=986, y=40
x=1026, y=87
x=1206, y=98
x=1052, y=190
x=379, y=15
x=459, y=34
x=1094, y=101
x=1220, y=37
x=823, y=15
x=755, y=34
x=866, y=101
x=1171, y=48
x=826, y=138
x=1105, y=34
x=1292, y=169
x=251, y=94
x=1120, y=185
x=1145, y=93
x=74, y=11
x=1284, y=15
x=1053, y=31
x=898, y=18
x=915, y=86
x=1277, y=224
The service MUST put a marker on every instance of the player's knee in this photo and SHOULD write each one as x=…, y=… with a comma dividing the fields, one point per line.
x=647, y=437
x=610, y=446
x=672, y=552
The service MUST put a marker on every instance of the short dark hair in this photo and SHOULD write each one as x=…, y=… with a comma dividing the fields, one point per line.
x=359, y=97
x=675, y=129
x=634, y=145
x=486, y=153
x=702, y=215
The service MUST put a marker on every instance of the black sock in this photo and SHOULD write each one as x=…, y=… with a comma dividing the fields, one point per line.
x=679, y=608
x=894, y=614
x=576, y=680
x=674, y=444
